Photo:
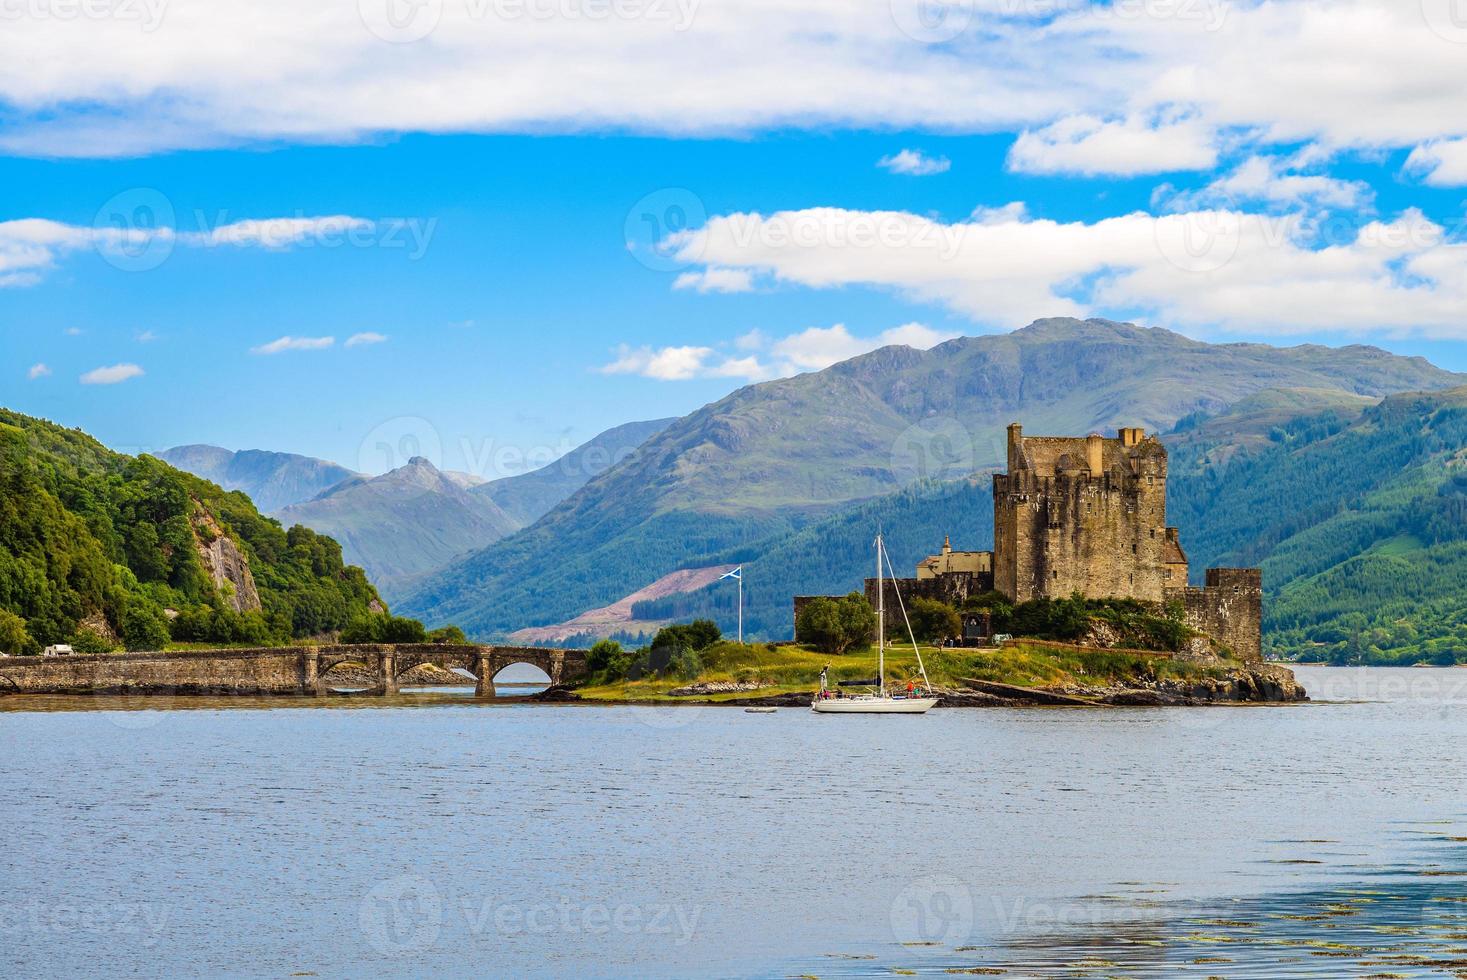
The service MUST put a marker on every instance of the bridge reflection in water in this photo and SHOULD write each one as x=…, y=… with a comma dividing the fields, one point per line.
x=298, y=671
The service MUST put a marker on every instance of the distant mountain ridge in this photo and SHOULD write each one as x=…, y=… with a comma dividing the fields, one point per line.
x=417, y=518
x=403, y=523
x=272, y=480
x=530, y=496
x=772, y=458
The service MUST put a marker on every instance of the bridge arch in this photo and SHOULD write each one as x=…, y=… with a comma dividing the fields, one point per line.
x=349, y=674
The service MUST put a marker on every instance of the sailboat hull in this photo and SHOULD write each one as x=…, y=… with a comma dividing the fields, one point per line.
x=873, y=706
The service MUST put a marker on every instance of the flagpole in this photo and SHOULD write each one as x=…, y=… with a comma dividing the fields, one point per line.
x=741, y=607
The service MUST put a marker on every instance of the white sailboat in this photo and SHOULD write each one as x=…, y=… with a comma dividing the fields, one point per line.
x=878, y=701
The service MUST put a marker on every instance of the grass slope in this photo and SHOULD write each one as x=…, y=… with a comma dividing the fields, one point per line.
x=788, y=669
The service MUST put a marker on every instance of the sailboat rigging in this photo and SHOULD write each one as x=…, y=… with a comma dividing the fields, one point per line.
x=879, y=701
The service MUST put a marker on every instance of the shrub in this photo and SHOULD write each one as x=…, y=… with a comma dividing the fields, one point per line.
x=1051, y=619
x=686, y=665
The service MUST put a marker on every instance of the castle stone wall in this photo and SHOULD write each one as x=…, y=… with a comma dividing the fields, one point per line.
x=1229, y=608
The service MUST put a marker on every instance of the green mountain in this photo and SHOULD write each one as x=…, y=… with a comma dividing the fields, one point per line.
x=834, y=555
x=98, y=548
x=1358, y=519
x=271, y=480
x=530, y=496
x=771, y=459
x=411, y=520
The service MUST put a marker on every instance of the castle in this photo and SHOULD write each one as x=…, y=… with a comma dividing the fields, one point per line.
x=1087, y=515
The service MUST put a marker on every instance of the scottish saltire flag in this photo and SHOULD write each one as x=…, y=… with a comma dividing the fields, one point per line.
x=737, y=573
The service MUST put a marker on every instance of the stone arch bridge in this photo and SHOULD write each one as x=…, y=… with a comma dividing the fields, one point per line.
x=300, y=671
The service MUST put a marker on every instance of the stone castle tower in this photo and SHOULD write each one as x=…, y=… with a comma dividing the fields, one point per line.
x=1084, y=515
x=1088, y=515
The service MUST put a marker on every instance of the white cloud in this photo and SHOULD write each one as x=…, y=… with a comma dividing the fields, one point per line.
x=914, y=163
x=1013, y=211
x=819, y=347
x=288, y=343
x=74, y=331
x=279, y=232
x=1440, y=163
x=31, y=247
x=664, y=364
x=755, y=339
x=38, y=371
x=147, y=337
x=1362, y=72
x=715, y=281
x=367, y=337
x=1091, y=146
x=116, y=374
x=813, y=349
x=1218, y=268
x=1268, y=180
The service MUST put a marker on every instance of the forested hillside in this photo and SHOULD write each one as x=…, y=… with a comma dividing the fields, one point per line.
x=95, y=546
x=1359, y=521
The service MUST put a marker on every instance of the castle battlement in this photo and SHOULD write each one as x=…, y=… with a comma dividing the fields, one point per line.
x=1084, y=515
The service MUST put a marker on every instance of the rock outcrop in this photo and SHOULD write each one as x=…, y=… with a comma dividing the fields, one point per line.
x=225, y=563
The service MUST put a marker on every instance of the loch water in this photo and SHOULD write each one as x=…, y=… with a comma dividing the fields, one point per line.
x=432, y=835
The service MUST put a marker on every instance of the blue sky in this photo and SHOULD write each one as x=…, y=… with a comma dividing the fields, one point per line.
x=500, y=274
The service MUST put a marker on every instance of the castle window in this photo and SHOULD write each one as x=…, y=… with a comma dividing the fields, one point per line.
x=1133, y=549
x=1056, y=574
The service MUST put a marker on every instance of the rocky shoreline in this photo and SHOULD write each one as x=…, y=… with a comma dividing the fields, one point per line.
x=1251, y=684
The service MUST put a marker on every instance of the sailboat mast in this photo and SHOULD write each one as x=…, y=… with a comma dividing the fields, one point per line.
x=880, y=619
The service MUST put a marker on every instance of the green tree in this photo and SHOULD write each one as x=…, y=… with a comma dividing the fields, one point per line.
x=400, y=629
x=14, y=639
x=447, y=634
x=602, y=654
x=697, y=636
x=382, y=628
x=90, y=641
x=363, y=629
x=836, y=625
x=144, y=627
x=933, y=621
